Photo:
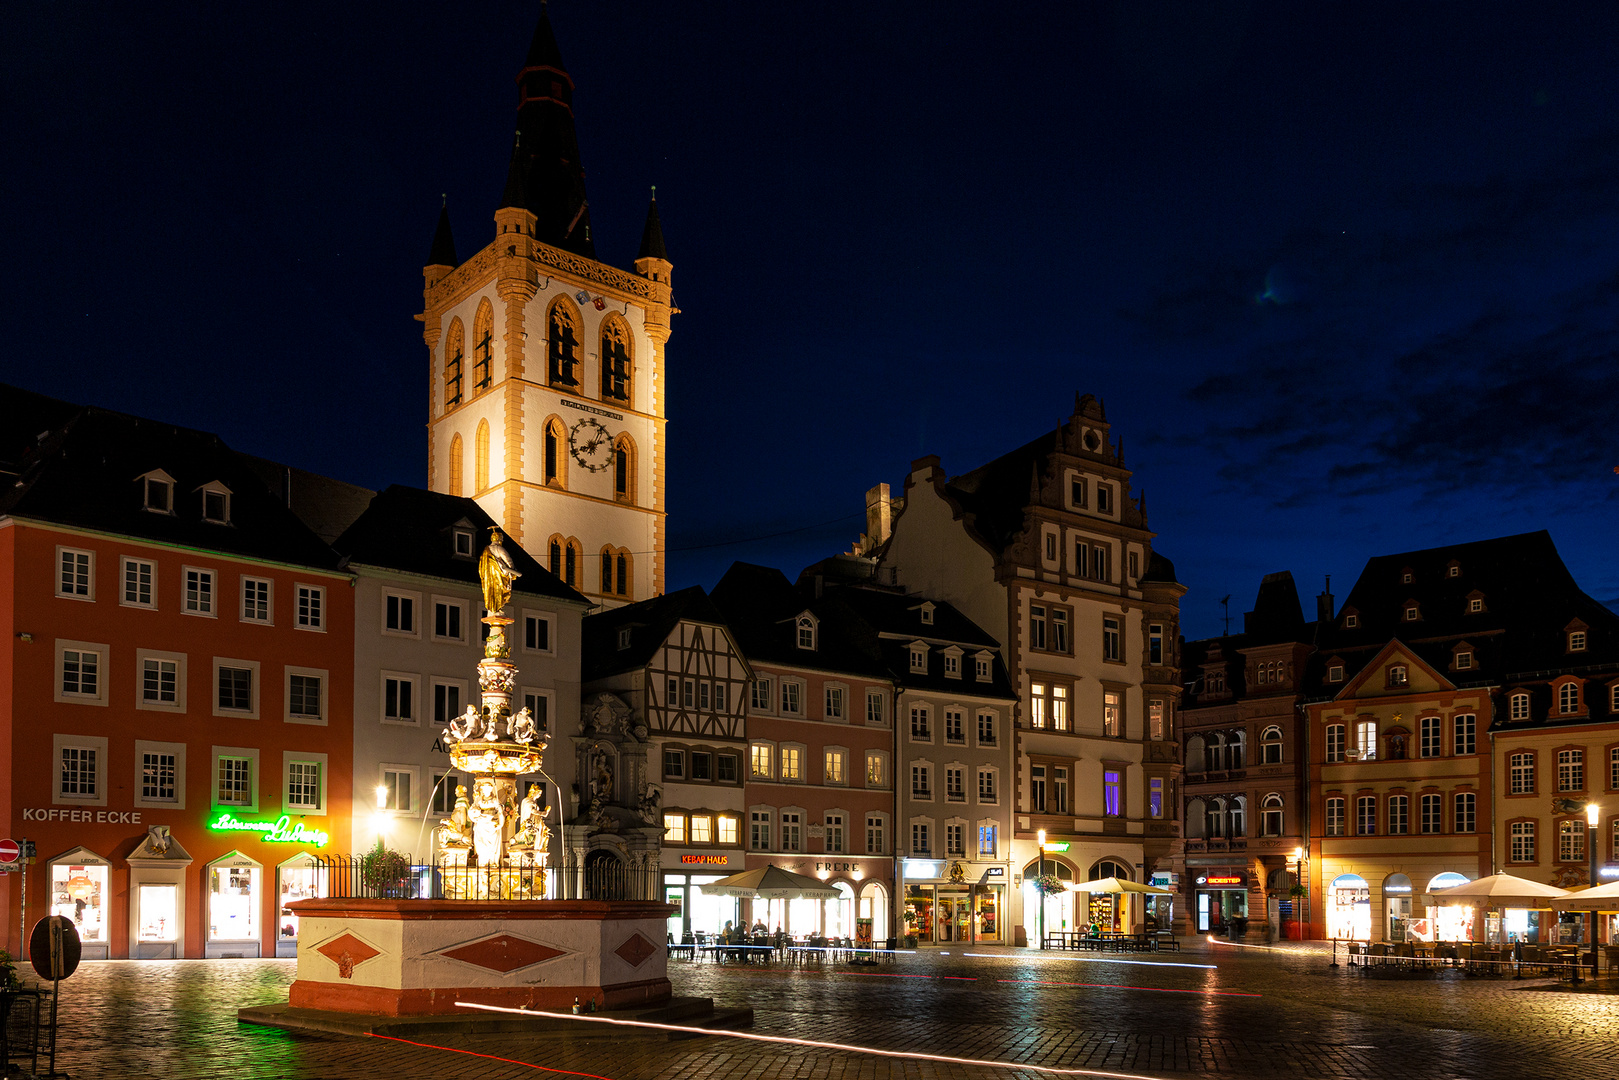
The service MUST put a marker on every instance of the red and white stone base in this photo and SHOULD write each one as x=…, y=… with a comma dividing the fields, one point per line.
x=420, y=957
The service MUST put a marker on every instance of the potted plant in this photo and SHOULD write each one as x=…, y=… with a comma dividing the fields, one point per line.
x=910, y=927
x=8, y=973
x=385, y=872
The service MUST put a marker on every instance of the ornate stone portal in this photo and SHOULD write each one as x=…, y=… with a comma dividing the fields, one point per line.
x=496, y=843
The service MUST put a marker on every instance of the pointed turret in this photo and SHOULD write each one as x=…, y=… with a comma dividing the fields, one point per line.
x=443, y=251
x=546, y=177
x=652, y=261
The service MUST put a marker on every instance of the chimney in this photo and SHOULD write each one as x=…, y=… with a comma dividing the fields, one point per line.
x=879, y=516
x=1323, y=603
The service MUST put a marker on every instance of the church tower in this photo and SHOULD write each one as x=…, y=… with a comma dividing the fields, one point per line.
x=546, y=398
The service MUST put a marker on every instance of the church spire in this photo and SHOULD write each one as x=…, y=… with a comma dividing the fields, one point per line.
x=546, y=177
x=443, y=251
x=652, y=236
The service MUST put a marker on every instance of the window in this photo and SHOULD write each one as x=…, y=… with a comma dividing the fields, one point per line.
x=1466, y=811
x=874, y=835
x=447, y=619
x=759, y=830
x=461, y=543
x=919, y=658
x=1428, y=737
x=160, y=682
x=955, y=839
x=955, y=789
x=1464, y=661
x=703, y=690
x=1571, y=840
x=1155, y=643
x=921, y=723
x=1155, y=797
x=730, y=830
x=791, y=832
x=1613, y=771
x=986, y=729
x=1037, y=789
x=988, y=841
x=791, y=697
x=1571, y=770
x=139, y=583
x=1366, y=739
x=920, y=843
x=235, y=787
x=1104, y=499
x=1059, y=630
x=1466, y=734
x=1475, y=605
x=1412, y=613
x=1270, y=746
x=303, y=785
x=1396, y=675
x=761, y=761
x=235, y=688
x=1521, y=773
x=834, y=702
x=1351, y=621
x=876, y=769
x=1270, y=820
x=447, y=701
x=726, y=769
x=399, y=794
x=615, y=360
x=79, y=778
x=1520, y=706
x=1568, y=697
x=921, y=781
x=981, y=668
x=255, y=600
x=443, y=793
x=955, y=730
x=1051, y=547
x=304, y=696
x=1110, y=638
x=76, y=579
x=1112, y=714
x=1431, y=819
x=311, y=607
x=792, y=763
x=1155, y=720
x=1048, y=706
x=702, y=829
x=688, y=694
x=876, y=709
x=806, y=632
x=199, y=592
x=399, y=613
x=833, y=773
x=1112, y=792
x=834, y=833
x=454, y=352
x=159, y=776
x=761, y=699
x=674, y=828
x=1335, y=817
x=674, y=764
x=216, y=504
x=1399, y=815
x=624, y=477
x=483, y=325
x=159, y=493
x=702, y=765
x=952, y=665
x=1059, y=790
x=925, y=612
x=1037, y=626
x=1576, y=641
x=986, y=786
x=81, y=673
x=1076, y=492
x=1523, y=841
x=537, y=633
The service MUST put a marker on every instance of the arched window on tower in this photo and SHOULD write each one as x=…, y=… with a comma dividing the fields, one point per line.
x=573, y=558
x=623, y=583
x=615, y=571
x=556, y=453
x=562, y=344
x=624, y=469
x=616, y=360
x=455, y=465
x=557, y=544
x=483, y=329
x=480, y=458
x=454, y=352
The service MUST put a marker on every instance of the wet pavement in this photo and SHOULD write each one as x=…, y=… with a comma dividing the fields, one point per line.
x=1225, y=1012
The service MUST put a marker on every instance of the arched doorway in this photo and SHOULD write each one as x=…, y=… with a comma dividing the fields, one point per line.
x=874, y=906
x=1397, y=904
x=1349, y=908
x=1107, y=911
x=605, y=878
x=1057, y=908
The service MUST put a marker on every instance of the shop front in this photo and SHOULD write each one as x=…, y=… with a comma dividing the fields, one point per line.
x=1397, y=908
x=80, y=890
x=863, y=889
x=956, y=901
x=1454, y=921
x=1349, y=908
x=696, y=911
x=233, y=897
x=1048, y=912
x=1159, y=911
x=1220, y=899
x=299, y=878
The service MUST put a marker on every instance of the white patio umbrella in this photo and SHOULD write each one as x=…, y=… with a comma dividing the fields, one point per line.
x=771, y=883
x=1502, y=890
x=1116, y=885
x=1598, y=898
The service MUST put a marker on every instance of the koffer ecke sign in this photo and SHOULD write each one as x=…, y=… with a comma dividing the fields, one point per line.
x=111, y=817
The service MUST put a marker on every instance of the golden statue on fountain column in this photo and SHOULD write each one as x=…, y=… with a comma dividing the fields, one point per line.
x=494, y=847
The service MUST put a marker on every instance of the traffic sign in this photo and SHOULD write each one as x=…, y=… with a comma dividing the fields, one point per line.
x=9, y=850
x=54, y=947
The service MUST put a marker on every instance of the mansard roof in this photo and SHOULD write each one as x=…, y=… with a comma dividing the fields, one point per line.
x=650, y=623
x=762, y=609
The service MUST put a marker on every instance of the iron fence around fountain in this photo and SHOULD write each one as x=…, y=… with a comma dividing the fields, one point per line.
x=397, y=877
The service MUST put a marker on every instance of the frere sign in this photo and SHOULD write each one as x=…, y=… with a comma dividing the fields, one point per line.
x=100, y=817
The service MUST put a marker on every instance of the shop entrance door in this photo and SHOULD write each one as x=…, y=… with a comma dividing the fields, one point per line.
x=955, y=917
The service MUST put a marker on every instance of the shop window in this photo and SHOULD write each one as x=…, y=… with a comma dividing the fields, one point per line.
x=80, y=892
x=233, y=900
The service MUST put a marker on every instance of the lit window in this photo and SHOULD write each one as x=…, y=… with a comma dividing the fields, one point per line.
x=1112, y=714
x=761, y=761
x=702, y=829
x=1397, y=675
x=730, y=831
x=1112, y=791
x=674, y=828
x=792, y=763
x=834, y=767
x=1366, y=739
x=876, y=769
x=1571, y=840
x=1521, y=772
x=303, y=785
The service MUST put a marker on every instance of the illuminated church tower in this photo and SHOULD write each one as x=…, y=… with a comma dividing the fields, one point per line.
x=546, y=401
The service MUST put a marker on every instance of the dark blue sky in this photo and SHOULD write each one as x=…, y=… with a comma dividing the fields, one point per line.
x=1346, y=275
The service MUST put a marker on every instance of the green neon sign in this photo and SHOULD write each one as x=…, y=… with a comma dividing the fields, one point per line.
x=1055, y=846
x=280, y=831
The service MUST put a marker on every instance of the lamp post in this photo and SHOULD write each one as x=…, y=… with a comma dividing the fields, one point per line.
x=1298, y=882
x=1038, y=890
x=1592, y=812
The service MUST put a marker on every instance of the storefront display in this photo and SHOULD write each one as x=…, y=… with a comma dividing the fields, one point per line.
x=79, y=891
x=297, y=879
x=1349, y=908
x=1397, y=905
x=1222, y=901
x=698, y=912
x=233, y=900
x=157, y=913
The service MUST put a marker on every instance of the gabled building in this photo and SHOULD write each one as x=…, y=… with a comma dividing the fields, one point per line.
x=660, y=755
x=175, y=686
x=1244, y=806
x=546, y=394
x=417, y=641
x=1046, y=549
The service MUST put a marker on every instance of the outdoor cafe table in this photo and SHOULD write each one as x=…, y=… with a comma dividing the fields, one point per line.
x=746, y=954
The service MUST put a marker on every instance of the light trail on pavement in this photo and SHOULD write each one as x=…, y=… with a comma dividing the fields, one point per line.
x=488, y=1057
x=1095, y=960
x=1125, y=986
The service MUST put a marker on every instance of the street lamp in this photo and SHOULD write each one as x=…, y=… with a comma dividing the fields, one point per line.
x=1592, y=813
x=377, y=819
x=1039, y=891
x=1298, y=883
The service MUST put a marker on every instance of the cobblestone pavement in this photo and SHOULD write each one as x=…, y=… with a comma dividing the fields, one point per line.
x=1226, y=1012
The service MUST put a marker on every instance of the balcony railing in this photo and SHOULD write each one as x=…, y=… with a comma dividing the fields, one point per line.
x=351, y=877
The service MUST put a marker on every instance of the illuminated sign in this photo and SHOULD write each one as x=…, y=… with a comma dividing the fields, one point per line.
x=280, y=831
x=1397, y=888
x=707, y=860
x=1054, y=845
x=1223, y=879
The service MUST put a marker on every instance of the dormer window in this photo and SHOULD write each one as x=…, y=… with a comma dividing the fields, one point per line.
x=919, y=657
x=1406, y=576
x=216, y=504
x=927, y=614
x=1464, y=661
x=623, y=637
x=952, y=663
x=1335, y=673
x=1412, y=611
x=981, y=669
x=462, y=540
x=806, y=632
x=1351, y=620
x=157, y=492
x=1215, y=681
x=1454, y=569
x=1576, y=641
x=1397, y=675
x=1475, y=605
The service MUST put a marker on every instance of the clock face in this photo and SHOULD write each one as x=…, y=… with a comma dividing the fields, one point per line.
x=591, y=445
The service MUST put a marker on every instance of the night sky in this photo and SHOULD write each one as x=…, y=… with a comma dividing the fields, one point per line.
x=1345, y=275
